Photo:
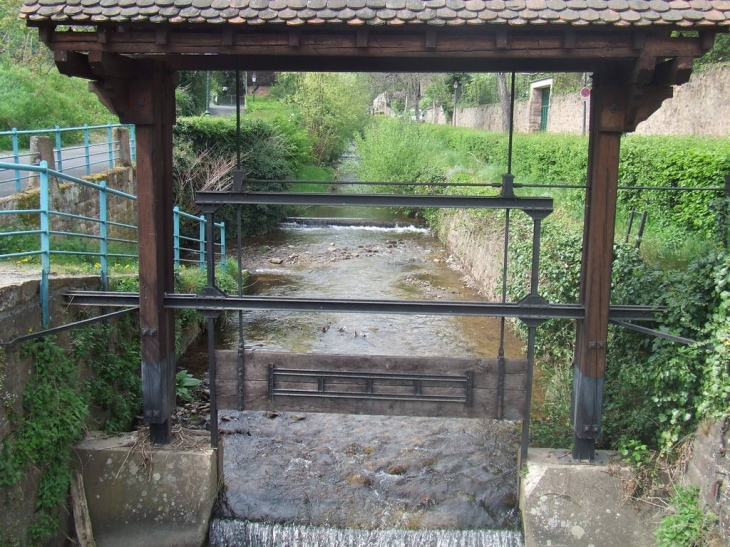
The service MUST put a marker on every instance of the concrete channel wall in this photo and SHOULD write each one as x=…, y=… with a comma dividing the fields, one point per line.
x=553, y=513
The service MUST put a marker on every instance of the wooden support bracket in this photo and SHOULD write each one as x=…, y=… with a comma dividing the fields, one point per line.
x=500, y=38
x=569, y=39
x=227, y=36
x=673, y=72
x=162, y=36
x=431, y=39
x=75, y=65
x=363, y=37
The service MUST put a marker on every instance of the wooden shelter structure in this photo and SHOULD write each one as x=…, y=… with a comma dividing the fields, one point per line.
x=131, y=50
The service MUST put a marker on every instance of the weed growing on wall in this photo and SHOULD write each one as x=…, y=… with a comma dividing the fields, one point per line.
x=687, y=525
x=54, y=412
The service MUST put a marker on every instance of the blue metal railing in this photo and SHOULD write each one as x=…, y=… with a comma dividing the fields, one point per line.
x=45, y=230
x=97, y=152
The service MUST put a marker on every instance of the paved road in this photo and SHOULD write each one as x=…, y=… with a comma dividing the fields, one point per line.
x=72, y=165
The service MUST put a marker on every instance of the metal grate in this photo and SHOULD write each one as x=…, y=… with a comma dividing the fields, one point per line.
x=371, y=385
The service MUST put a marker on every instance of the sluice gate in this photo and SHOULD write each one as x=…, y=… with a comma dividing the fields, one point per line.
x=371, y=384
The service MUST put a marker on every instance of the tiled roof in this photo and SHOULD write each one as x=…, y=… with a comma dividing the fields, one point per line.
x=618, y=13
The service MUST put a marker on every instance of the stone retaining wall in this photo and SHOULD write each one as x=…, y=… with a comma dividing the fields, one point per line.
x=699, y=107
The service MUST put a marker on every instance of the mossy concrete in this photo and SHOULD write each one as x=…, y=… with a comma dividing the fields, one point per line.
x=148, y=496
x=570, y=504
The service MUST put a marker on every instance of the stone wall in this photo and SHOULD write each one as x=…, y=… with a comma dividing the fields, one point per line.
x=20, y=313
x=709, y=469
x=700, y=107
x=72, y=198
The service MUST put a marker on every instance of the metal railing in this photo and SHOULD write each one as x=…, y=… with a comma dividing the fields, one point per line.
x=98, y=149
x=49, y=234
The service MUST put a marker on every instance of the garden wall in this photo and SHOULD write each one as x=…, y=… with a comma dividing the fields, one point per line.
x=699, y=107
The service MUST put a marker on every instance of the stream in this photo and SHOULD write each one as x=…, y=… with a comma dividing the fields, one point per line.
x=307, y=479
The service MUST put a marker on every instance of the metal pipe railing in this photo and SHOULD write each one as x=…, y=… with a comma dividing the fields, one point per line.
x=93, y=156
x=48, y=233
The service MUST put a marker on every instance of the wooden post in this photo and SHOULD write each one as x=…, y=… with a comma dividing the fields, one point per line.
x=607, y=124
x=154, y=91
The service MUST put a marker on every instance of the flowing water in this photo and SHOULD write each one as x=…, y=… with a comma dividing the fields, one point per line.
x=336, y=480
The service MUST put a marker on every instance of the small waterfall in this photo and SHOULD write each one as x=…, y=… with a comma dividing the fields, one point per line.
x=239, y=533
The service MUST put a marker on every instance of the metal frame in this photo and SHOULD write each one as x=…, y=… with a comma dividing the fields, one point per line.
x=321, y=378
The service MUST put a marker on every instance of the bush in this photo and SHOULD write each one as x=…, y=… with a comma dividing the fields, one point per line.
x=205, y=152
x=392, y=150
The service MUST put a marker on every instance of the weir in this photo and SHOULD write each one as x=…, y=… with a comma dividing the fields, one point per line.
x=132, y=56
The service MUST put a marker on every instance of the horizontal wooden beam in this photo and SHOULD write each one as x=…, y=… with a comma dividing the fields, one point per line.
x=477, y=51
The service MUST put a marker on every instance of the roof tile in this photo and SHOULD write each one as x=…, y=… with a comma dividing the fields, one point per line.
x=621, y=13
x=170, y=11
x=365, y=14
x=618, y=5
x=189, y=12
x=487, y=15
x=475, y=5
x=406, y=15
x=149, y=11
x=346, y=14
x=715, y=15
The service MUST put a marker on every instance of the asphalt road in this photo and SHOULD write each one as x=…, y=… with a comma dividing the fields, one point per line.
x=72, y=165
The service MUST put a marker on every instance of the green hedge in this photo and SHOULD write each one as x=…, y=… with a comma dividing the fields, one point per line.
x=644, y=162
x=269, y=150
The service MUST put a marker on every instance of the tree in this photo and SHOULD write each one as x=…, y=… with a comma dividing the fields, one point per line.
x=333, y=106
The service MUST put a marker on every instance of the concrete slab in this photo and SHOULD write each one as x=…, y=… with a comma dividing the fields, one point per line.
x=571, y=504
x=148, y=496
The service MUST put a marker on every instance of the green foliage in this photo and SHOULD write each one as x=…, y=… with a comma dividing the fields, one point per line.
x=392, y=150
x=53, y=417
x=112, y=352
x=185, y=383
x=19, y=43
x=333, y=107
x=687, y=525
x=31, y=100
x=205, y=152
x=674, y=162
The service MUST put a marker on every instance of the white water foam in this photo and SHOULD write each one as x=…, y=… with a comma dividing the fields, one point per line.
x=239, y=533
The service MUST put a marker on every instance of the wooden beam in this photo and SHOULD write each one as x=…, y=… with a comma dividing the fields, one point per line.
x=500, y=38
x=319, y=50
x=607, y=114
x=154, y=210
x=650, y=101
x=643, y=70
x=102, y=35
x=294, y=37
x=105, y=64
x=162, y=36
x=46, y=33
x=70, y=63
x=569, y=40
x=363, y=37
x=675, y=71
x=431, y=39
x=227, y=36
